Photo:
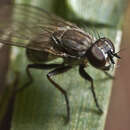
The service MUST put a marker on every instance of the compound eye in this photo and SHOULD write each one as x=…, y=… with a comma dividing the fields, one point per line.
x=96, y=57
x=97, y=53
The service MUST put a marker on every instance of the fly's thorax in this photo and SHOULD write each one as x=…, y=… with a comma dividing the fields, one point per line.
x=73, y=41
x=78, y=36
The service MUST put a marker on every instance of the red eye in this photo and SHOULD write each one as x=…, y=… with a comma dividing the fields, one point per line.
x=96, y=57
x=97, y=53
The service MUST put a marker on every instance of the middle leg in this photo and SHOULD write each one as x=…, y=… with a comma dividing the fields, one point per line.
x=87, y=77
x=56, y=72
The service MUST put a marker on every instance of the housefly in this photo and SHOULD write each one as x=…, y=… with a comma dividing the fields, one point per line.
x=47, y=37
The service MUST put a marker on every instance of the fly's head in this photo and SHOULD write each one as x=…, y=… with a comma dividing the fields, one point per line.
x=101, y=54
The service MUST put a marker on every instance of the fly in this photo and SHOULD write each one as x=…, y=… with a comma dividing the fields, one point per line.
x=47, y=37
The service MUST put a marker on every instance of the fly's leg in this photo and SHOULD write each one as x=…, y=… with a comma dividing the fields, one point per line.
x=108, y=75
x=106, y=68
x=60, y=68
x=55, y=72
x=36, y=66
x=86, y=76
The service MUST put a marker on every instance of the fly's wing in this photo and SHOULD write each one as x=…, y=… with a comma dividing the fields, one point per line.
x=20, y=24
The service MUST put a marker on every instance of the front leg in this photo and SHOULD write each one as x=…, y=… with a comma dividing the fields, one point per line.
x=86, y=76
x=108, y=75
x=106, y=68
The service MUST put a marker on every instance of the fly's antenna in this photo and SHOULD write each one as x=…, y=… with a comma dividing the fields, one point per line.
x=116, y=54
x=111, y=55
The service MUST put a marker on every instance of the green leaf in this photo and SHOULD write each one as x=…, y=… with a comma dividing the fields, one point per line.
x=41, y=106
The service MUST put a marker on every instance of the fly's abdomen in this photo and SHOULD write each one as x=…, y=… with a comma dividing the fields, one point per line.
x=39, y=56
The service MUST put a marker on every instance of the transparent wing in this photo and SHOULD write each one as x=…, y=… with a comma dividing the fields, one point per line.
x=20, y=24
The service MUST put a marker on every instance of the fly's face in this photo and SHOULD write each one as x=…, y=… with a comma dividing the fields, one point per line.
x=101, y=54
